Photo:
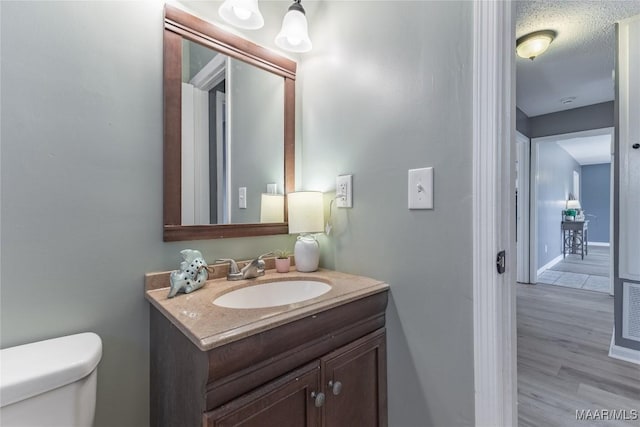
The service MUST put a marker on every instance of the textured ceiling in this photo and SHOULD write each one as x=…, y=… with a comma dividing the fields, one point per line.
x=580, y=61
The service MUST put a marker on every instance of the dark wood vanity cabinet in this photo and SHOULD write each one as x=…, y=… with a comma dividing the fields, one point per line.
x=345, y=388
x=327, y=369
x=355, y=383
x=285, y=402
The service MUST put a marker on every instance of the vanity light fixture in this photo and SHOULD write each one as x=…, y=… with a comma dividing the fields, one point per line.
x=294, y=35
x=306, y=216
x=534, y=44
x=242, y=14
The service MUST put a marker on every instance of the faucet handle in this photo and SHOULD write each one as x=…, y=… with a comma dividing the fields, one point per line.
x=233, y=266
x=264, y=255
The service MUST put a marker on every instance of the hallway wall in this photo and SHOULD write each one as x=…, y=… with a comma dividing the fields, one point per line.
x=595, y=197
x=555, y=182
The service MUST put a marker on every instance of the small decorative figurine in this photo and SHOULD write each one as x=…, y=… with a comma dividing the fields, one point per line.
x=192, y=275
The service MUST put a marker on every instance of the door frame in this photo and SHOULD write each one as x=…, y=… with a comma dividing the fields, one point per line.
x=535, y=147
x=493, y=214
x=523, y=152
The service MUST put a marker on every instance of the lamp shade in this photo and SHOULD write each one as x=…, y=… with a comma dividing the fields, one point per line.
x=306, y=213
x=573, y=204
x=533, y=44
x=242, y=14
x=294, y=35
x=272, y=208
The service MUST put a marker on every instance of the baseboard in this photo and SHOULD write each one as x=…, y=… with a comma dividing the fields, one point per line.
x=606, y=244
x=623, y=353
x=550, y=264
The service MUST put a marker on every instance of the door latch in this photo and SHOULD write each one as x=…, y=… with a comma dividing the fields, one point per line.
x=501, y=262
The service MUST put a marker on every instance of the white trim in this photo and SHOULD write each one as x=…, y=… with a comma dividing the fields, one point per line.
x=612, y=213
x=188, y=155
x=623, y=353
x=628, y=133
x=228, y=138
x=223, y=196
x=201, y=156
x=533, y=212
x=523, y=148
x=493, y=221
x=211, y=74
x=550, y=264
x=605, y=244
x=573, y=135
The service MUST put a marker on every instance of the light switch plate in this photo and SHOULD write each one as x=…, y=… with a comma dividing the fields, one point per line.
x=242, y=197
x=344, y=191
x=421, y=188
x=272, y=188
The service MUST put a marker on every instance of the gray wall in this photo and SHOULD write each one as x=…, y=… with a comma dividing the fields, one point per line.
x=595, y=116
x=198, y=57
x=255, y=100
x=595, y=193
x=387, y=88
x=81, y=176
x=522, y=123
x=555, y=182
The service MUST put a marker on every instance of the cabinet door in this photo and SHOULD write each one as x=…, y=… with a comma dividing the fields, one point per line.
x=285, y=402
x=354, y=379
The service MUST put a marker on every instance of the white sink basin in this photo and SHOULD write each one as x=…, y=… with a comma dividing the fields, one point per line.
x=272, y=294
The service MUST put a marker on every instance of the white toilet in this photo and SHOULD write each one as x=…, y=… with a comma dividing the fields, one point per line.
x=50, y=383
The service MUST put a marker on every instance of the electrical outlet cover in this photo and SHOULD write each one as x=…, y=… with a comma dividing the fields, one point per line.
x=421, y=188
x=242, y=197
x=344, y=191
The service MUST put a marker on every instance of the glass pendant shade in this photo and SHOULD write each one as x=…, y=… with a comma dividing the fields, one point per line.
x=242, y=14
x=294, y=35
x=534, y=44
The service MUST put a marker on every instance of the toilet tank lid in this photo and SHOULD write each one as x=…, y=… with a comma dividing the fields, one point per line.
x=31, y=369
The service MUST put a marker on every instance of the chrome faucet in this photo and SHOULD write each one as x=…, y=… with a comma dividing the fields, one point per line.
x=253, y=269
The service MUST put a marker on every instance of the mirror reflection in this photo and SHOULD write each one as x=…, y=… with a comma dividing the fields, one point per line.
x=232, y=140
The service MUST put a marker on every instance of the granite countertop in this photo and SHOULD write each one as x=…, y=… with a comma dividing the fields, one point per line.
x=209, y=326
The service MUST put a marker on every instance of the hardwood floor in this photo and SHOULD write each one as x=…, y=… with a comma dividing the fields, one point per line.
x=563, y=364
x=591, y=273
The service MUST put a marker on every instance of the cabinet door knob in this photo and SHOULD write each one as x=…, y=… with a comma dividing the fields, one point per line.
x=336, y=387
x=636, y=146
x=318, y=398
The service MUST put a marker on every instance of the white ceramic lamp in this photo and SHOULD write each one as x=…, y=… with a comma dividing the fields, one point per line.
x=271, y=208
x=306, y=216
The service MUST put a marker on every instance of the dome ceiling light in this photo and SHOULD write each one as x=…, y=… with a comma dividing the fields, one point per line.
x=534, y=44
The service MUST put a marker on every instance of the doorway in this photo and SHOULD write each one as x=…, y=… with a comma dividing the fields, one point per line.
x=567, y=171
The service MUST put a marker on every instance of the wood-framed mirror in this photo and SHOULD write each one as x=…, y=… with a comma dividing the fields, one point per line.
x=207, y=161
